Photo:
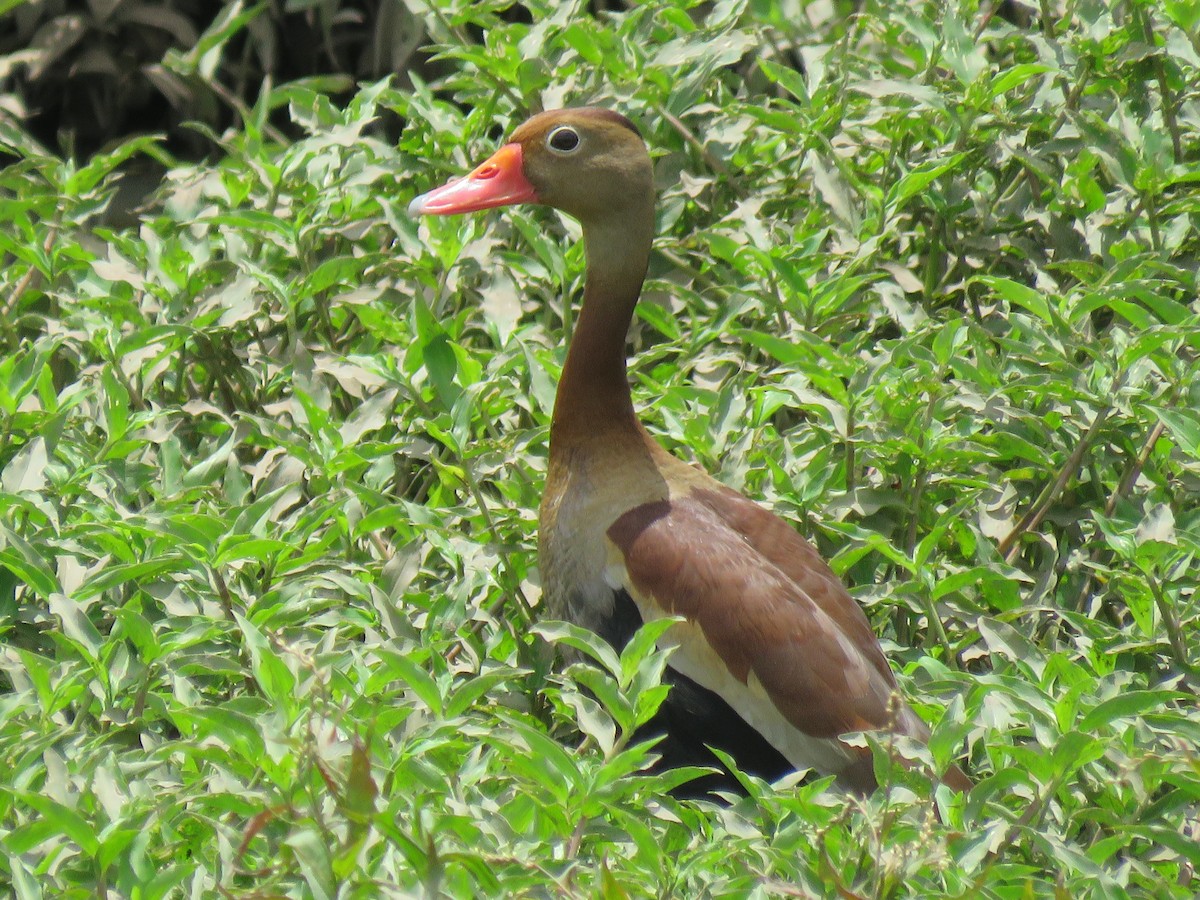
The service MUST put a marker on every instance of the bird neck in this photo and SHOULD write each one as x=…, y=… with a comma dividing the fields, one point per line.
x=593, y=396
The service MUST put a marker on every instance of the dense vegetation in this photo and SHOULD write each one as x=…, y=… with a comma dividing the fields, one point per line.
x=926, y=284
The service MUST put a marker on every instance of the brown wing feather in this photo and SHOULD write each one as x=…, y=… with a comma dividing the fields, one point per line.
x=786, y=549
x=767, y=605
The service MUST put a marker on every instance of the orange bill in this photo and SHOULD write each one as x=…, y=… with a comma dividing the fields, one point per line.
x=500, y=181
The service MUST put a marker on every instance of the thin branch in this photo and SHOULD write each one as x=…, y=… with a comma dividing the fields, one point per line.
x=576, y=840
x=29, y=279
x=695, y=143
x=1135, y=470
x=1008, y=546
x=1122, y=490
x=1171, y=624
x=514, y=585
x=1164, y=88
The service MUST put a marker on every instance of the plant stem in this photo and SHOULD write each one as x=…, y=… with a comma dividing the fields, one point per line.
x=1008, y=546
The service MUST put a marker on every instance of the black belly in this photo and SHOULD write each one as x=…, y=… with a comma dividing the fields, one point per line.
x=692, y=719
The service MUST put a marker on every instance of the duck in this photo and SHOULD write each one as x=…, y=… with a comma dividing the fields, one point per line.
x=772, y=661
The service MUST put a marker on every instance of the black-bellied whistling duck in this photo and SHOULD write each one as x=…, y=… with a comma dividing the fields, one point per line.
x=774, y=660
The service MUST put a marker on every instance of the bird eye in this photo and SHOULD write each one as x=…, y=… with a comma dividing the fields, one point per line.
x=563, y=139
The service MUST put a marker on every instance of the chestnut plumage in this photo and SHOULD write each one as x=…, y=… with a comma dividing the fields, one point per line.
x=773, y=661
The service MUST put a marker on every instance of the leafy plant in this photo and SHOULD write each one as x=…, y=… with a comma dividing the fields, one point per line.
x=925, y=283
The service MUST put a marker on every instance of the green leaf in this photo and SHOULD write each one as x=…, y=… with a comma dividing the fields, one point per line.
x=1006, y=641
x=642, y=646
x=1184, y=426
x=1132, y=704
x=554, y=769
x=1157, y=525
x=1184, y=13
x=592, y=720
x=442, y=366
x=920, y=178
x=786, y=77
x=76, y=624
x=415, y=677
x=209, y=468
x=1019, y=294
x=466, y=693
x=228, y=726
x=1009, y=78
x=61, y=820
x=1157, y=836
x=582, y=640
x=312, y=853
x=275, y=679
x=605, y=689
x=19, y=557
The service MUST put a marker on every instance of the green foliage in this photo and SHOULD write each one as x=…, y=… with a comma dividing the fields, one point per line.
x=84, y=75
x=926, y=283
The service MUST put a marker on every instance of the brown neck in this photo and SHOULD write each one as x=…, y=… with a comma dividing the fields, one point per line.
x=593, y=397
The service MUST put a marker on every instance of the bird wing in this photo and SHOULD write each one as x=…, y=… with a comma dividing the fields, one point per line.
x=767, y=625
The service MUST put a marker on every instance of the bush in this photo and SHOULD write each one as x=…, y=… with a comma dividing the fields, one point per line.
x=925, y=283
